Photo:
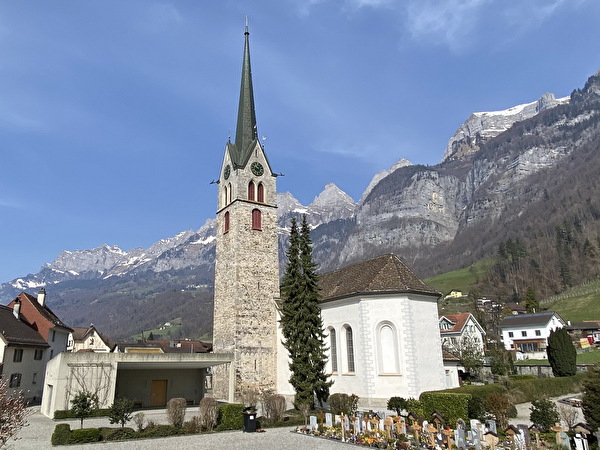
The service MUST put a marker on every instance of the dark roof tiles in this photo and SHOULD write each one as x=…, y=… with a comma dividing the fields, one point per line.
x=18, y=331
x=383, y=274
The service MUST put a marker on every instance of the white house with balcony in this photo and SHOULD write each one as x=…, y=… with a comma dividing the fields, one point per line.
x=527, y=334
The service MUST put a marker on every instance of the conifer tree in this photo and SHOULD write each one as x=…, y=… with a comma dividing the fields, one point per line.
x=301, y=321
x=562, y=354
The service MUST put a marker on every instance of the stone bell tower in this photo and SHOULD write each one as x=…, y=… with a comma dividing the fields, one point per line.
x=247, y=266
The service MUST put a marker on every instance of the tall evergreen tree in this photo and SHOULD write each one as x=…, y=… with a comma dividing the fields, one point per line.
x=562, y=354
x=301, y=321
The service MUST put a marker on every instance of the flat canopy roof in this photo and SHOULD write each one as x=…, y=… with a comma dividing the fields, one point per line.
x=144, y=361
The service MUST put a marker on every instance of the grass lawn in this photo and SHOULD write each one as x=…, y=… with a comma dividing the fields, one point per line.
x=590, y=357
x=461, y=279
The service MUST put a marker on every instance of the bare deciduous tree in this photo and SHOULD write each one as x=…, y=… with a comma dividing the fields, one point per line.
x=13, y=413
x=568, y=414
x=92, y=377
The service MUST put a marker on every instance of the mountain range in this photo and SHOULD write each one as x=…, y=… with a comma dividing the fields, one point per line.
x=518, y=174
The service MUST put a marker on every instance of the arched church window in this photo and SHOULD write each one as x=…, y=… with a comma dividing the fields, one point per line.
x=251, y=191
x=387, y=354
x=226, y=225
x=349, y=349
x=229, y=195
x=225, y=195
x=256, y=219
x=261, y=193
x=333, y=350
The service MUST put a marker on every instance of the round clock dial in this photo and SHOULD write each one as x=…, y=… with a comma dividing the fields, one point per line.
x=227, y=171
x=257, y=169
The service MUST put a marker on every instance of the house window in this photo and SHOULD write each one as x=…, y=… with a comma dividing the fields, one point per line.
x=511, y=334
x=38, y=354
x=349, y=350
x=524, y=333
x=261, y=193
x=53, y=335
x=34, y=380
x=18, y=355
x=15, y=380
x=226, y=226
x=256, y=219
x=251, y=191
x=333, y=350
x=538, y=332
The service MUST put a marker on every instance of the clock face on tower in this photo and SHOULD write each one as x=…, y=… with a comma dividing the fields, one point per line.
x=227, y=171
x=257, y=169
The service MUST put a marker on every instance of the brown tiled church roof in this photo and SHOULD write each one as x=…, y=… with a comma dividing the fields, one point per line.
x=383, y=274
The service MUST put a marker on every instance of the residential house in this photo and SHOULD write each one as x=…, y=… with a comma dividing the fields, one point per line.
x=382, y=335
x=527, y=334
x=454, y=293
x=587, y=329
x=44, y=321
x=89, y=339
x=22, y=351
x=461, y=331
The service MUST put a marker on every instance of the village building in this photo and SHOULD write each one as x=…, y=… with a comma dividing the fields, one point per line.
x=461, y=332
x=89, y=339
x=527, y=334
x=22, y=353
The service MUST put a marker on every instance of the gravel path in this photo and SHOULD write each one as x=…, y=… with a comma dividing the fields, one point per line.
x=36, y=436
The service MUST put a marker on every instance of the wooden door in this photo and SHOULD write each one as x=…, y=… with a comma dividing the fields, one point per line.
x=158, y=393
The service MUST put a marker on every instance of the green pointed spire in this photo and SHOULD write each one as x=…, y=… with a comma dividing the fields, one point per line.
x=246, y=134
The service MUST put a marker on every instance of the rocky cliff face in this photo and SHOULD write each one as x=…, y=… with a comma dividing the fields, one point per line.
x=491, y=174
x=482, y=126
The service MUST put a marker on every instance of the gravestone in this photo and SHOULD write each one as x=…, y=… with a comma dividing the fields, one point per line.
x=459, y=438
x=338, y=419
x=524, y=429
x=328, y=421
x=491, y=439
x=491, y=426
x=313, y=423
x=346, y=423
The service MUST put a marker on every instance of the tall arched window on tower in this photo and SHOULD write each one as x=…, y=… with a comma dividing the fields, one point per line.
x=229, y=194
x=333, y=350
x=387, y=346
x=226, y=224
x=225, y=196
x=251, y=191
x=256, y=219
x=261, y=193
x=349, y=349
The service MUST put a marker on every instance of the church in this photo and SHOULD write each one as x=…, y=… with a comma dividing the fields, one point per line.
x=380, y=319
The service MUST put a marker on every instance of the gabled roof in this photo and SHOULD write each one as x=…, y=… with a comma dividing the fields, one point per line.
x=533, y=319
x=18, y=331
x=80, y=333
x=384, y=274
x=44, y=311
x=458, y=322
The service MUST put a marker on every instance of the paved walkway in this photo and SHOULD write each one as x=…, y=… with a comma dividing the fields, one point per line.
x=36, y=436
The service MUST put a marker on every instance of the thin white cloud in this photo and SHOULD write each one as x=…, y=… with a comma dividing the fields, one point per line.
x=444, y=22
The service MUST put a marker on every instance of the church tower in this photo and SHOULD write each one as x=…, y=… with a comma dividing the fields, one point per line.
x=247, y=266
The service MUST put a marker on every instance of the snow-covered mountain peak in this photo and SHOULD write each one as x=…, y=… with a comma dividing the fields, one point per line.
x=481, y=126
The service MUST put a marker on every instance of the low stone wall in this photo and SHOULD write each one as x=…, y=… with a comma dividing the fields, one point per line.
x=543, y=371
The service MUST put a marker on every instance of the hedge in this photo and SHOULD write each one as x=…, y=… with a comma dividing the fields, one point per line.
x=231, y=417
x=67, y=414
x=451, y=406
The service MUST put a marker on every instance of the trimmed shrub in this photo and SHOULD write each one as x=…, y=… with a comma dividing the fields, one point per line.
x=68, y=414
x=450, y=406
x=116, y=434
x=208, y=413
x=562, y=354
x=176, y=408
x=397, y=404
x=231, y=417
x=160, y=431
x=543, y=414
x=61, y=434
x=193, y=426
x=343, y=403
x=275, y=407
x=85, y=435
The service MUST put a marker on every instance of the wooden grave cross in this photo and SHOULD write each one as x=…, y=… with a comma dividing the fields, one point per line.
x=353, y=419
x=558, y=429
x=398, y=422
x=449, y=435
x=431, y=429
x=343, y=427
x=374, y=423
x=416, y=428
x=321, y=416
x=387, y=425
x=536, y=434
x=366, y=422
x=510, y=433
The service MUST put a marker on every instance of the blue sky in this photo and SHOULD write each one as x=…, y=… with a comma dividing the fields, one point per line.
x=114, y=114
